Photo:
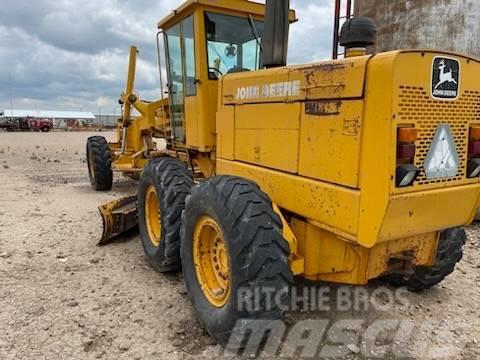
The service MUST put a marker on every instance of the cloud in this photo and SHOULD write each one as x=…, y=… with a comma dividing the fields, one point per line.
x=312, y=37
x=71, y=55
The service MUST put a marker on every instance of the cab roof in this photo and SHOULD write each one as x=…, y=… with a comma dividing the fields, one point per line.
x=244, y=6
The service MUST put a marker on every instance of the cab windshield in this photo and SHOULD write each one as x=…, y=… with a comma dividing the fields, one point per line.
x=232, y=45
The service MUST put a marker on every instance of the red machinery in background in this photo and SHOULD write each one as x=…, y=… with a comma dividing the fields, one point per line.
x=27, y=124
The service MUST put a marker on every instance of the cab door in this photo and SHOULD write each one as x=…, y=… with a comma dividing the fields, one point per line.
x=182, y=82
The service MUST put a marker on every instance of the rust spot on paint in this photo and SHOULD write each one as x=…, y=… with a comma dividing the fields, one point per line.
x=310, y=71
x=351, y=127
x=324, y=67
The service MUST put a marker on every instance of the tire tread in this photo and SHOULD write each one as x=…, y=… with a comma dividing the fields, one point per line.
x=256, y=245
x=174, y=181
x=102, y=180
x=449, y=253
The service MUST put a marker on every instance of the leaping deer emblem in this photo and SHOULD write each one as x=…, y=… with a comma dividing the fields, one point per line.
x=444, y=75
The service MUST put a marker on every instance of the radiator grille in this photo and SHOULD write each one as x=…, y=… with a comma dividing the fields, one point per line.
x=416, y=106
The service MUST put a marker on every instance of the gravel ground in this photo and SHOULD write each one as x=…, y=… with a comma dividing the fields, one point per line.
x=62, y=297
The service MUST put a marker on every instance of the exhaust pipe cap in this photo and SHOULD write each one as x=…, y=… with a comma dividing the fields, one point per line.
x=358, y=32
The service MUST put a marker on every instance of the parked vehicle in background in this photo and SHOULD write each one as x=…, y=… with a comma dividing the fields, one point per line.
x=9, y=124
x=26, y=124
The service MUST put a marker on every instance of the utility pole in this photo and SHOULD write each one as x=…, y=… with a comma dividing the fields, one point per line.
x=11, y=90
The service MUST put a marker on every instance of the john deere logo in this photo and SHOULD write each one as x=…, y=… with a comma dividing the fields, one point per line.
x=445, y=78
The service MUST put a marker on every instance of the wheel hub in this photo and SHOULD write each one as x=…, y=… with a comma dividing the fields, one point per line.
x=152, y=215
x=91, y=163
x=211, y=260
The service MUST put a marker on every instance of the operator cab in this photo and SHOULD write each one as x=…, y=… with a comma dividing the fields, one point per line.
x=204, y=40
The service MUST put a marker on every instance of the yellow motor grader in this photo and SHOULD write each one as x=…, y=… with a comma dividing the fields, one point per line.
x=252, y=172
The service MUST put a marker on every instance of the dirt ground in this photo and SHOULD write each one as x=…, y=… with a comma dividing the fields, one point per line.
x=62, y=297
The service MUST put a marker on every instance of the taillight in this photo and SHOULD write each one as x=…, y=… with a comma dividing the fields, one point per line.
x=406, y=172
x=473, y=167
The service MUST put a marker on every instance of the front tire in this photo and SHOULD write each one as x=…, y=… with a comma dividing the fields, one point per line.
x=229, y=225
x=449, y=253
x=99, y=163
x=45, y=129
x=164, y=186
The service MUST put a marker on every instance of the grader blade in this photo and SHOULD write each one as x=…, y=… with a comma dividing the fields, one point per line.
x=118, y=217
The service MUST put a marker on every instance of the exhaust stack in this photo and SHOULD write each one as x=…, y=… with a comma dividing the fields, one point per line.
x=275, y=38
x=356, y=34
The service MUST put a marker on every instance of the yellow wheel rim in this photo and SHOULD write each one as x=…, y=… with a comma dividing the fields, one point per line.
x=211, y=261
x=91, y=163
x=152, y=215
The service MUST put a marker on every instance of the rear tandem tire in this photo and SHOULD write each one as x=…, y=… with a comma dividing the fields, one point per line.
x=99, y=163
x=449, y=253
x=164, y=184
x=251, y=234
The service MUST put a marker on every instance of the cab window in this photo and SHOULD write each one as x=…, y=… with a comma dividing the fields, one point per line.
x=231, y=44
x=188, y=34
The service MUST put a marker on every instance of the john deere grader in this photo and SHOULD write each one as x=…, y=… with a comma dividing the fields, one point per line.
x=252, y=172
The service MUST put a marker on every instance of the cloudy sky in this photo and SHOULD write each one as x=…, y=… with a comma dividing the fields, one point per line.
x=73, y=54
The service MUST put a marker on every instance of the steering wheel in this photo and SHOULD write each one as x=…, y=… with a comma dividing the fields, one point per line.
x=216, y=70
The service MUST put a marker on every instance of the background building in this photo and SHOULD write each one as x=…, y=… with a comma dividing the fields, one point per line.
x=106, y=120
x=451, y=25
x=64, y=119
x=60, y=119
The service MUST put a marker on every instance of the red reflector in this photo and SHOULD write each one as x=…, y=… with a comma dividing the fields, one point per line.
x=407, y=135
x=406, y=151
x=474, y=148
